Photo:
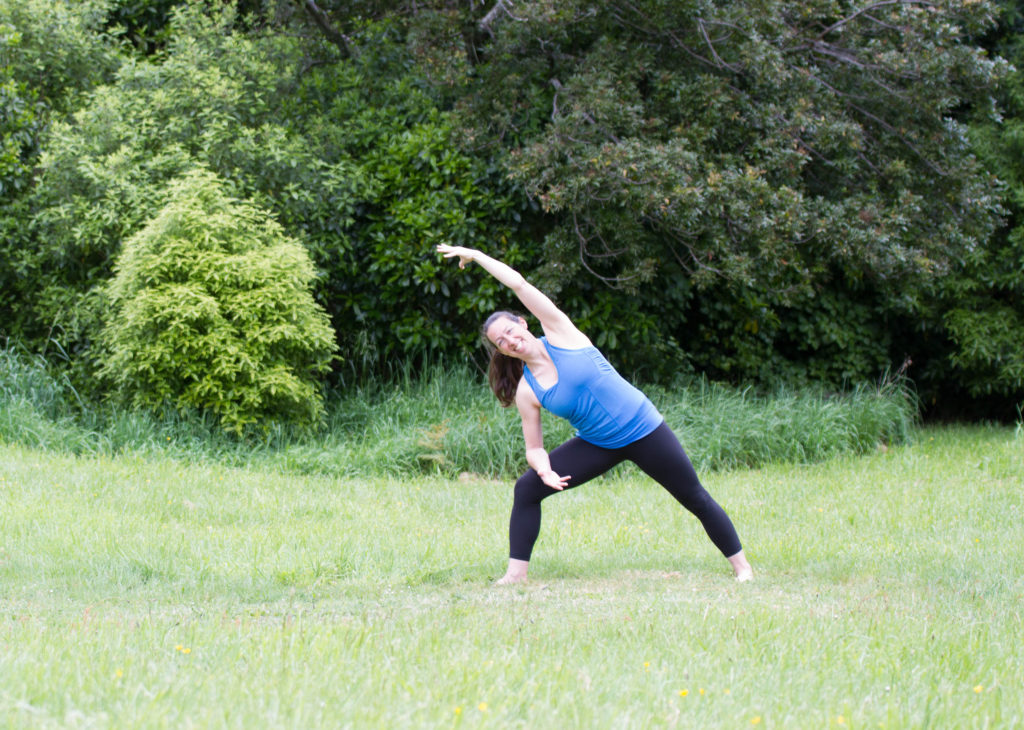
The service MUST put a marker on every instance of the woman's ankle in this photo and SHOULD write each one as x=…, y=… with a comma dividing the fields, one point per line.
x=741, y=567
x=516, y=572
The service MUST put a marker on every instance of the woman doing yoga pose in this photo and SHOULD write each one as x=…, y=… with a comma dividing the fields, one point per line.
x=564, y=373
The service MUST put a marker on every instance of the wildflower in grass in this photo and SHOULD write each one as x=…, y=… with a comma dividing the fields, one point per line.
x=458, y=711
x=755, y=720
x=701, y=690
x=647, y=666
x=482, y=707
x=841, y=720
x=684, y=692
x=979, y=689
x=118, y=674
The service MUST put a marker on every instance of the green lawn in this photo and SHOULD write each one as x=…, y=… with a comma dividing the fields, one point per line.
x=152, y=593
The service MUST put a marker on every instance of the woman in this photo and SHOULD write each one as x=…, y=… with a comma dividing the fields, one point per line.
x=566, y=374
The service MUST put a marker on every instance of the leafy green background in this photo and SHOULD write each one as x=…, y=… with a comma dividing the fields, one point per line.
x=769, y=193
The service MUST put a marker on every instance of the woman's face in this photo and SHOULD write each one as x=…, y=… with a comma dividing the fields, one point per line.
x=510, y=336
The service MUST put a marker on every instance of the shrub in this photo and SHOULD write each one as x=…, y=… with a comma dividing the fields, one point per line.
x=210, y=308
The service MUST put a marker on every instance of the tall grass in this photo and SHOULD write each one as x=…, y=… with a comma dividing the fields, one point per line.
x=36, y=408
x=725, y=427
x=446, y=421
x=44, y=411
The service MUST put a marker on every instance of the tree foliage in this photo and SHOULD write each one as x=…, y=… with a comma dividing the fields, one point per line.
x=20, y=121
x=411, y=187
x=104, y=170
x=769, y=154
x=62, y=49
x=364, y=175
x=983, y=304
x=761, y=191
x=51, y=53
x=210, y=309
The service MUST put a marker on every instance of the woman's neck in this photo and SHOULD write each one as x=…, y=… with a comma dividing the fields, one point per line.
x=542, y=366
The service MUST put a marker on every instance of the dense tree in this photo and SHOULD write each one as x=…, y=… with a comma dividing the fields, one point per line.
x=982, y=306
x=51, y=53
x=104, y=169
x=211, y=309
x=783, y=160
x=57, y=48
x=757, y=189
x=20, y=122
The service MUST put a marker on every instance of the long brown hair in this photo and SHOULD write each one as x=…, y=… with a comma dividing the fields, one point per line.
x=503, y=372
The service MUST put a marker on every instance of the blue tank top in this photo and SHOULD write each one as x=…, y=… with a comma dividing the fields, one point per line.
x=603, y=408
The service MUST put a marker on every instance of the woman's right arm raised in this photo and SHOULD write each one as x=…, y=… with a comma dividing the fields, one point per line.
x=554, y=321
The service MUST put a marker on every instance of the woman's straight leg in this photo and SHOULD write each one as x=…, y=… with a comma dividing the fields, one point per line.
x=661, y=456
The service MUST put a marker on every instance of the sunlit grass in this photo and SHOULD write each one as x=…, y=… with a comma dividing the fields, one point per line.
x=152, y=592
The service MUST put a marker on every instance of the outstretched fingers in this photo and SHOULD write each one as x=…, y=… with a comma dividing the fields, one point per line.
x=465, y=255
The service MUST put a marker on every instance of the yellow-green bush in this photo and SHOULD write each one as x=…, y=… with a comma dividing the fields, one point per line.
x=210, y=308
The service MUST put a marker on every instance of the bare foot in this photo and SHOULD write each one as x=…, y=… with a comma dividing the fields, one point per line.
x=509, y=579
x=741, y=567
x=516, y=572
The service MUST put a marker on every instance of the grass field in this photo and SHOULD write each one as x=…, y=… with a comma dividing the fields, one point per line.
x=145, y=591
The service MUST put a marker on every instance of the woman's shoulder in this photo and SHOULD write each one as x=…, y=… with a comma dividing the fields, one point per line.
x=568, y=341
x=525, y=395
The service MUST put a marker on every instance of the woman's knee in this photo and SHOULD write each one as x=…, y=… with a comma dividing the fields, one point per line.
x=698, y=500
x=529, y=488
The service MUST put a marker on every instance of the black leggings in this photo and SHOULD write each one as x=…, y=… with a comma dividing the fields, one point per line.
x=659, y=454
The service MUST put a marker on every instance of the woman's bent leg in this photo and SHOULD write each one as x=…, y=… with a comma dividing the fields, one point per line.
x=576, y=458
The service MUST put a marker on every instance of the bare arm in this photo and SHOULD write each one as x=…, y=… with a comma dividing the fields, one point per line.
x=557, y=326
x=536, y=455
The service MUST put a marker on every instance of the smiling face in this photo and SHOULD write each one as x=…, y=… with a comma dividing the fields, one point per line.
x=510, y=336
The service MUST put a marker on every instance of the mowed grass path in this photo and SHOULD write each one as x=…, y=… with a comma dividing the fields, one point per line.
x=153, y=593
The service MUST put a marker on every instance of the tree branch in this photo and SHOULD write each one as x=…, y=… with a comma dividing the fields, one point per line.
x=827, y=49
x=319, y=17
x=711, y=46
x=618, y=13
x=609, y=281
x=882, y=23
x=868, y=8
x=880, y=122
x=501, y=6
x=811, y=150
x=698, y=265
